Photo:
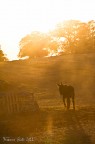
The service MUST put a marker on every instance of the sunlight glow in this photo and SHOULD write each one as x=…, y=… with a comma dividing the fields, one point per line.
x=20, y=17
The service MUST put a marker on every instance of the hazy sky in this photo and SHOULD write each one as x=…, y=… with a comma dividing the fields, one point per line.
x=21, y=17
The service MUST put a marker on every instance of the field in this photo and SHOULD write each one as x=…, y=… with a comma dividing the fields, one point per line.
x=53, y=124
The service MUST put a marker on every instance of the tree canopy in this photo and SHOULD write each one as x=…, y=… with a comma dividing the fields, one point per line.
x=70, y=36
x=79, y=36
x=34, y=45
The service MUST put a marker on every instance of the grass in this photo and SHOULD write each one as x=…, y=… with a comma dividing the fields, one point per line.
x=52, y=124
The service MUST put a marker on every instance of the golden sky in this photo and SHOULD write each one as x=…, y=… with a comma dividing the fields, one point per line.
x=21, y=17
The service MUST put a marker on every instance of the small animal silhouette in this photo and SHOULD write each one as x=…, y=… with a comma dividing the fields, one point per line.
x=67, y=91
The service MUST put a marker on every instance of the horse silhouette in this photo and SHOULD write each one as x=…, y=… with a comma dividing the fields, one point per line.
x=67, y=91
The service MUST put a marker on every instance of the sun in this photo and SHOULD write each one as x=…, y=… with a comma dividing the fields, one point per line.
x=19, y=18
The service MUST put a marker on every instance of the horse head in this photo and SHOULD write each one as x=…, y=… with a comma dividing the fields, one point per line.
x=60, y=86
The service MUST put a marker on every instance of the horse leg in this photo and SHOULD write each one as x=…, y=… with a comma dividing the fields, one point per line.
x=68, y=103
x=73, y=101
x=64, y=101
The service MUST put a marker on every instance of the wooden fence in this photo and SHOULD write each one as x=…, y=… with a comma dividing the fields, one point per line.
x=15, y=102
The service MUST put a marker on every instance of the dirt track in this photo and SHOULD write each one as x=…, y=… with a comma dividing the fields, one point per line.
x=51, y=126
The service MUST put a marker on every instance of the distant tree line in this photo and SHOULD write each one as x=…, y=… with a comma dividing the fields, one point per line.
x=2, y=55
x=70, y=36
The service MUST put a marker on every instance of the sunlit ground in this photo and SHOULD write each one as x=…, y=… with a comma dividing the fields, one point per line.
x=52, y=124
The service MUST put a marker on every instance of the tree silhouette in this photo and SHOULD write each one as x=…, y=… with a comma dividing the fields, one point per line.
x=78, y=36
x=34, y=45
x=71, y=36
x=2, y=56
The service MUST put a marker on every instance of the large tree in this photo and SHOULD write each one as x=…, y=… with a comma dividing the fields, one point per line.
x=77, y=36
x=68, y=30
x=34, y=45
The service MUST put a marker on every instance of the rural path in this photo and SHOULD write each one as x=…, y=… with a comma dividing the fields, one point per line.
x=51, y=126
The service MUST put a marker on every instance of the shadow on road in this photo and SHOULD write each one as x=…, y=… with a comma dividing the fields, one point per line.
x=75, y=133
